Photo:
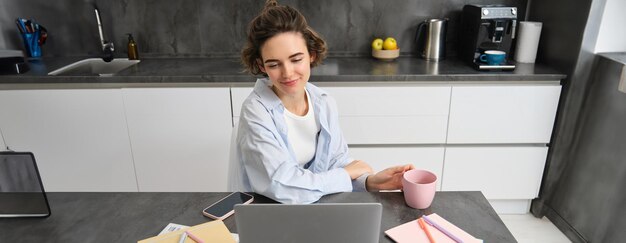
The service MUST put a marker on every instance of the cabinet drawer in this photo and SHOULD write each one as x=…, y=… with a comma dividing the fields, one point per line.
x=79, y=137
x=376, y=101
x=179, y=131
x=380, y=158
x=393, y=115
x=391, y=101
x=502, y=114
x=384, y=115
x=394, y=129
x=2, y=145
x=499, y=172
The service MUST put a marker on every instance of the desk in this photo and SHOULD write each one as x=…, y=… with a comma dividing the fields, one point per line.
x=132, y=216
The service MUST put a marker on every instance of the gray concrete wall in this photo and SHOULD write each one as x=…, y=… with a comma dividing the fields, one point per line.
x=217, y=27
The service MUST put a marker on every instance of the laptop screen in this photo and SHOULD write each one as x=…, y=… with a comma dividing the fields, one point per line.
x=21, y=190
x=303, y=223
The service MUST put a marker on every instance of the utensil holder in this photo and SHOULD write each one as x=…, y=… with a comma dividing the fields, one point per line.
x=31, y=44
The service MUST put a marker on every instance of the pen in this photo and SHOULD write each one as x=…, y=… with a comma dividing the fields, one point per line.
x=183, y=237
x=193, y=237
x=26, y=26
x=19, y=28
x=31, y=25
x=420, y=221
x=22, y=25
x=443, y=230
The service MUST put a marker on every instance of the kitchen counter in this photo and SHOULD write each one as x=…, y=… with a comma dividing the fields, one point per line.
x=619, y=57
x=229, y=72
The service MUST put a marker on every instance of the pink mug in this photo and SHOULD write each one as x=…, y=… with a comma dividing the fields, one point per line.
x=419, y=188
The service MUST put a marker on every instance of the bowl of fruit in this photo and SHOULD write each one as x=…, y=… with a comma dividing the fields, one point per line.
x=386, y=50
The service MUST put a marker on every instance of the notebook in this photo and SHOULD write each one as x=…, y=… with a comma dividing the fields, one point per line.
x=211, y=232
x=412, y=233
x=171, y=227
x=304, y=223
x=21, y=189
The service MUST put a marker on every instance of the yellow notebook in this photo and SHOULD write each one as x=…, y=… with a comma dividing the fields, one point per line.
x=211, y=232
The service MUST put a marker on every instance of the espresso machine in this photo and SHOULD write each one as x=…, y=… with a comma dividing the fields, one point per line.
x=487, y=27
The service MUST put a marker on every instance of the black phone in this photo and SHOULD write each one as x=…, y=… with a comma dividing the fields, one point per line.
x=226, y=206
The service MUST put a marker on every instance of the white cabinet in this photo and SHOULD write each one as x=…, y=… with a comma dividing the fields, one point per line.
x=383, y=124
x=513, y=114
x=79, y=137
x=238, y=96
x=507, y=172
x=2, y=145
x=180, y=137
x=423, y=157
x=152, y=139
x=483, y=137
x=497, y=136
x=394, y=125
x=402, y=114
x=480, y=137
x=393, y=115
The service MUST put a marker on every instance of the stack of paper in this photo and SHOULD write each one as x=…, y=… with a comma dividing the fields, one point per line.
x=214, y=231
x=412, y=232
x=171, y=227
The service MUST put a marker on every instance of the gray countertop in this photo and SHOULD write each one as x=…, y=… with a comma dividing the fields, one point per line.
x=229, y=71
x=619, y=57
x=132, y=216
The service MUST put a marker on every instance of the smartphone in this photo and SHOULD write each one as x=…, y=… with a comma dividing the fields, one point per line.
x=226, y=206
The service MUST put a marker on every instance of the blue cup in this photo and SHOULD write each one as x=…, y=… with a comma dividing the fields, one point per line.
x=31, y=43
x=493, y=57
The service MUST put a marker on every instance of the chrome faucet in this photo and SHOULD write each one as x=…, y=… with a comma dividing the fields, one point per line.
x=107, y=47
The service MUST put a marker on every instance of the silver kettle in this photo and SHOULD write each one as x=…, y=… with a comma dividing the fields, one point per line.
x=434, y=39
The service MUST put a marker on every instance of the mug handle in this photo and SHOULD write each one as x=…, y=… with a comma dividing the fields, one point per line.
x=483, y=57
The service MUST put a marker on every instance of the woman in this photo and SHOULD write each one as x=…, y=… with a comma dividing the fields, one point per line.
x=290, y=146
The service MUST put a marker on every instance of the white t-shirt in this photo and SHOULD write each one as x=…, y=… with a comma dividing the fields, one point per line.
x=302, y=133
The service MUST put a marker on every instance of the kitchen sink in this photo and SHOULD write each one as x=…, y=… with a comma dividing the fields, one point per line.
x=95, y=66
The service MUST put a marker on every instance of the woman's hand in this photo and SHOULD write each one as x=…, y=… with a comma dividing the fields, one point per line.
x=357, y=168
x=387, y=179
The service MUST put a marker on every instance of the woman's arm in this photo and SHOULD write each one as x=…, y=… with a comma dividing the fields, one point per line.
x=387, y=179
x=357, y=169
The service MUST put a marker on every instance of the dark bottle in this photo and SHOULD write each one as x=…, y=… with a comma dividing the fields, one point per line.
x=133, y=54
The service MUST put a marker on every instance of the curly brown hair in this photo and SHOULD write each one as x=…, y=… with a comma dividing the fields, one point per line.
x=275, y=19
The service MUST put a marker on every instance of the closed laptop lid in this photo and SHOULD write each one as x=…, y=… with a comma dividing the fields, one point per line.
x=21, y=190
x=324, y=222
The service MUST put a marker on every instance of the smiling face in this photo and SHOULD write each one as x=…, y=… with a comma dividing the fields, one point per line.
x=287, y=63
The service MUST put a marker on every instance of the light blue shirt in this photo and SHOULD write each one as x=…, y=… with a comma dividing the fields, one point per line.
x=268, y=165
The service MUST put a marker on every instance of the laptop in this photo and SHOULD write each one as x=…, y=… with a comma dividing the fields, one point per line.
x=21, y=190
x=303, y=223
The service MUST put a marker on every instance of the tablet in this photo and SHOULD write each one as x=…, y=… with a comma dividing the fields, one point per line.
x=21, y=189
